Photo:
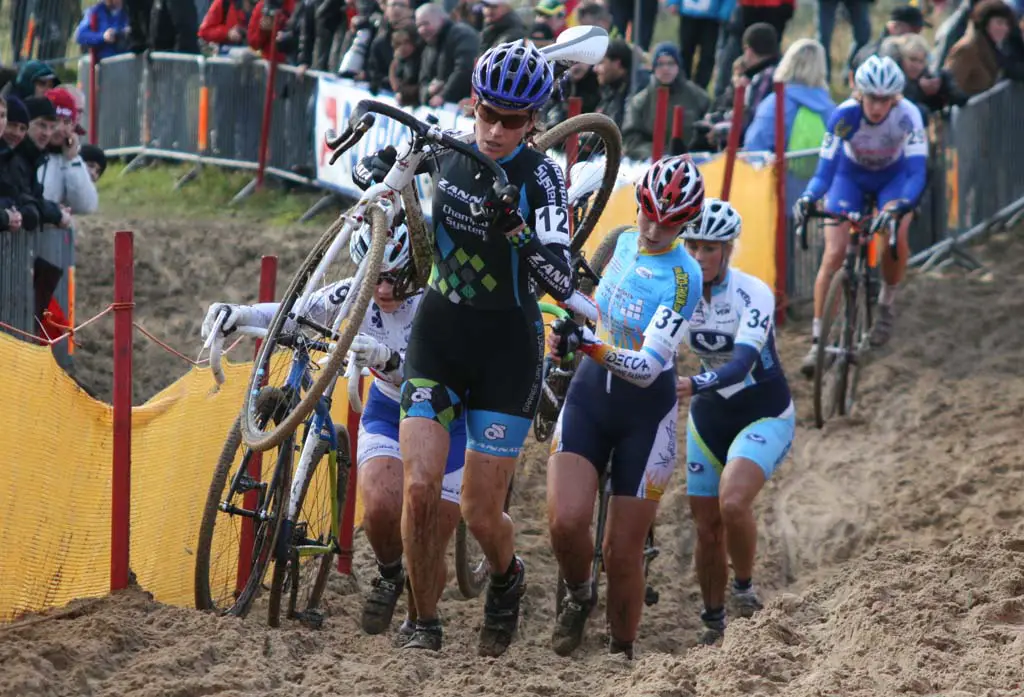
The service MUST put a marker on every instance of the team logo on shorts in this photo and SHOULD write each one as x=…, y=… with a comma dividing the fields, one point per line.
x=495, y=432
x=757, y=438
x=705, y=379
x=695, y=467
x=421, y=394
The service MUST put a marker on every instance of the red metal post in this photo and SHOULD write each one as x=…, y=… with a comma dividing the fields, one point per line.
x=660, y=124
x=781, y=229
x=268, y=286
x=121, y=472
x=572, y=146
x=94, y=96
x=678, y=146
x=734, y=140
x=268, y=99
x=348, y=516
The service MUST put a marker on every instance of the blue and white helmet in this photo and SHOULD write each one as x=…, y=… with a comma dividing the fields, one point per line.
x=513, y=76
x=880, y=77
x=718, y=222
x=396, y=252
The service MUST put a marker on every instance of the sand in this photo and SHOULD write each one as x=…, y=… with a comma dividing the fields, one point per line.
x=891, y=547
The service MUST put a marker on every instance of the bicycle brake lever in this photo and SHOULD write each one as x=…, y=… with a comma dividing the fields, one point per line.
x=581, y=266
x=352, y=134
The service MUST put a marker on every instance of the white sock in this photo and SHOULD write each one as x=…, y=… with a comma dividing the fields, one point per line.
x=887, y=295
x=816, y=328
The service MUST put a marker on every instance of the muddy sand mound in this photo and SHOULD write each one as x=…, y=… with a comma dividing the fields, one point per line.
x=890, y=550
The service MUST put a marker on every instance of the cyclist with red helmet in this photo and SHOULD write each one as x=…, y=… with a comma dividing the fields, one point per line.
x=622, y=406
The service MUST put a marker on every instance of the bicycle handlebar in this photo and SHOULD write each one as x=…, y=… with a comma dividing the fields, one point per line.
x=362, y=119
x=215, y=343
x=553, y=310
x=856, y=221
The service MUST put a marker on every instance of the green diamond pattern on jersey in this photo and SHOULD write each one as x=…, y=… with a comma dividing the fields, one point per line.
x=428, y=399
x=459, y=276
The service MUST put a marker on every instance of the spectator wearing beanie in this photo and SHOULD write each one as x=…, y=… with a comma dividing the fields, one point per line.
x=29, y=157
x=95, y=160
x=63, y=174
x=34, y=79
x=17, y=122
x=638, y=125
x=10, y=216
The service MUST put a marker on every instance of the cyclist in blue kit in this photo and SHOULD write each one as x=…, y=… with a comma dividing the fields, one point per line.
x=621, y=405
x=742, y=419
x=875, y=145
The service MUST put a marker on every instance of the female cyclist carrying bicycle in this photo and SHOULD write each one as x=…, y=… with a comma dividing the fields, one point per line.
x=477, y=342
x=381, y=347
x=742, y=419
x=875, y=144
x=622, y=405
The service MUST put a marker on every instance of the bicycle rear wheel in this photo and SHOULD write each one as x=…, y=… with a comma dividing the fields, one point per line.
x=598, y=137
x=860, y=333
x=312, y=524
x=471, y=567
x=220, y=531
x=831, y=369
x=306, y=340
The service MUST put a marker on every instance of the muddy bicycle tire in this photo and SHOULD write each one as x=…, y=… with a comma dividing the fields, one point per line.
x=834, y=314
x=604, y=128
x=264, y=540
x=420, y=236
x=252, y=435
x=287, y=574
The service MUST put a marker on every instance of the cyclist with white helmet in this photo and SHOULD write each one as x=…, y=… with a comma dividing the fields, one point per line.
x=381, y=347
x=477, y=343
x=742, y=419
x=875, y=144
x=622, y=406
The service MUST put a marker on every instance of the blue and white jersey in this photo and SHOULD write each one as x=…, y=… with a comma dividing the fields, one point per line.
x=389, y=328
x=854, y=146
x=739, y=314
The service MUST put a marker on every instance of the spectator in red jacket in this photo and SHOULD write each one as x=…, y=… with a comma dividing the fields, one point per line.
x=226, y=23
x=261, y=24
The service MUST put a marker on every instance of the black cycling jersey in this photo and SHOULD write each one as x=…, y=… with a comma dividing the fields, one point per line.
x=489, y=271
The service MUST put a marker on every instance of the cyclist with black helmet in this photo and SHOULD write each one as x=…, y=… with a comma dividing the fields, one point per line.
x=381, y=347
x=477, y=343
x=741, y=422
x=622, y=406
x=875, y=144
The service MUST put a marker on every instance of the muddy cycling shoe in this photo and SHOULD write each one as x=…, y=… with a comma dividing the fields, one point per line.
x=572, y=620
x=714, y=627
x=810, y=362
x=623, y=648
x=881, y=332
x=745, y=601
x=501, y=610
x=404, y=633
x=426, y=635
x=379, y=606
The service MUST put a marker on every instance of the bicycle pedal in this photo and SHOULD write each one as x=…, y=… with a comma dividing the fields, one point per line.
x=651, y=597
x=312, y=619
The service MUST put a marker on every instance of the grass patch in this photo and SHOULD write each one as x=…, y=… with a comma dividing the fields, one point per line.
x=151, y=189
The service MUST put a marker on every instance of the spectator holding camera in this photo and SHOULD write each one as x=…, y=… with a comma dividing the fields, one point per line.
x=104, y=28
x=62, y=172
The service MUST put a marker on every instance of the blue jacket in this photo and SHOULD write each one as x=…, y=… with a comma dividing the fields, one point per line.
x=704, y=9
x=96, y=21
x=761, y=133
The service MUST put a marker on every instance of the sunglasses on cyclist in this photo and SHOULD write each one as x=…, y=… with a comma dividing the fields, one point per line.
x=391, y=278
x=508, y=121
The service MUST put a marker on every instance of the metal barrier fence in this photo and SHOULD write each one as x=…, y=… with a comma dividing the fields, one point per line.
x=29, y=265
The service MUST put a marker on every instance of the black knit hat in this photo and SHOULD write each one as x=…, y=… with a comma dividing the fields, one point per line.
x=40, y=108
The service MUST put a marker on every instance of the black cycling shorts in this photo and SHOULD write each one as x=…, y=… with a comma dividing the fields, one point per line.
x=607, y=418
x=487, y=362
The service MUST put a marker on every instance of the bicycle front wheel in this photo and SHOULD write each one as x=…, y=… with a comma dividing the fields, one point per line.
x=860, y=341
x=301, y=339
x=237, y=500
x=598, y=137
x=831, y=368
